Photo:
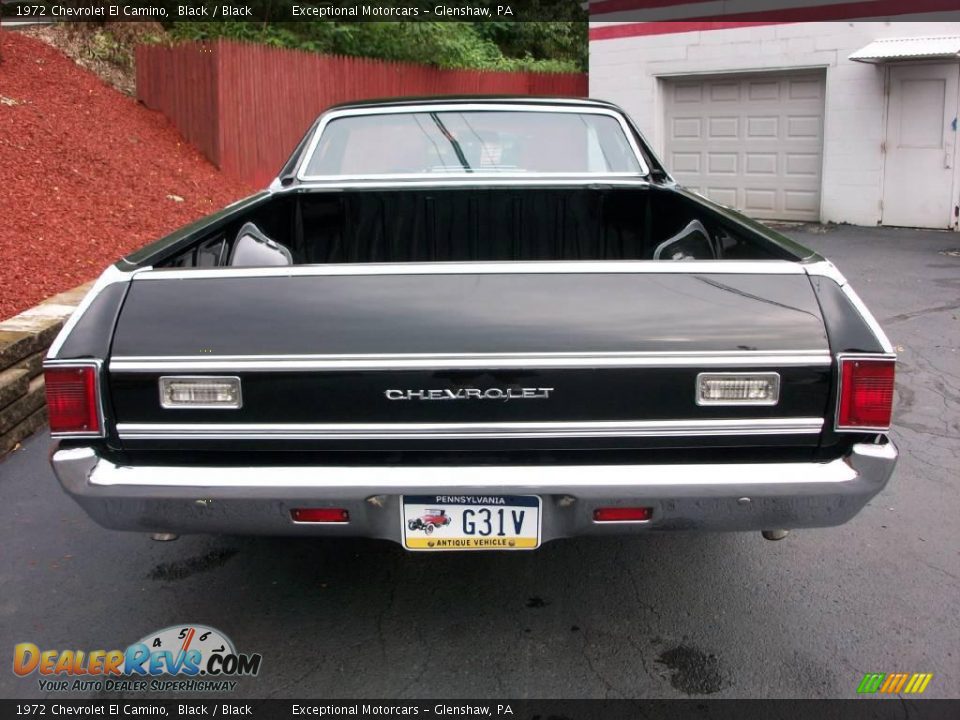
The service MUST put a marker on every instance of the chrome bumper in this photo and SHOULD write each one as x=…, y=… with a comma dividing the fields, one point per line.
x=258, y=500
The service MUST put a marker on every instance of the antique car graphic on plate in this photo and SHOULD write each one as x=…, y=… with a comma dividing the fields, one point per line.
x=430, y=519
x=472, y=323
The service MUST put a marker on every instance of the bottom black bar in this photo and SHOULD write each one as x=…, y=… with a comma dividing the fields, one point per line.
x=865, y=709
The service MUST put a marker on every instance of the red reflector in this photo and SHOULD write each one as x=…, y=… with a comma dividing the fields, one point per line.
x=622, y=514
x=866, y=393
x=72, y=399
x=320, y=515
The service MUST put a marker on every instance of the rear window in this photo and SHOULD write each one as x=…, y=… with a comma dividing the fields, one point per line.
x=475, y=142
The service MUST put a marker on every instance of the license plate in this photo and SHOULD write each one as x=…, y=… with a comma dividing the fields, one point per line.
x=471, y=522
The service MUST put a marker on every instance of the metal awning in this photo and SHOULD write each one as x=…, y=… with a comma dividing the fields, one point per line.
x=944, y=47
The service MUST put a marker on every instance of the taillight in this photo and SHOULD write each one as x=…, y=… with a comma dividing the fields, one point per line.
x=73, y=399
x=866, y=393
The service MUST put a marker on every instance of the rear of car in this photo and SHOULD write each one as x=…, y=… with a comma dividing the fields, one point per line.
x=482, y=351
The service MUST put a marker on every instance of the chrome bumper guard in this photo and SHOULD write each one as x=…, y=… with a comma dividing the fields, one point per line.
x=258, y=500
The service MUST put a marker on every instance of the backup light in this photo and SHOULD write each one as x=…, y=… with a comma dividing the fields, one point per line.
x=73, y=400
x=738, y=388
x=865, y=396
x=200, y=392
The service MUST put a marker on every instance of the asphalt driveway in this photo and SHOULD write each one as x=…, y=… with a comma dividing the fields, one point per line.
x=729, y=615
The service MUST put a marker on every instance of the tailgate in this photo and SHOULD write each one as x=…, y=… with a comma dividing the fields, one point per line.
x=443, y=357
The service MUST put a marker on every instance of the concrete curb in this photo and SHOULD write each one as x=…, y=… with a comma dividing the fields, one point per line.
x=24, y=340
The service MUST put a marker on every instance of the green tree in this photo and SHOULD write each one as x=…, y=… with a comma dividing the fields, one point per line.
x=553, y=46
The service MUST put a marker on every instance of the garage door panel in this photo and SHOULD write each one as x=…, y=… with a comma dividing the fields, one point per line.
x=767, y=90
x=722, y=195
x=723, y=128
x=801, y=200
x=757, y=163
x=725, y=92
x=686, y=128
x=759, y=199
x=805, y=89
x=802, y=164
x=763, y=127
x=722, y=163
x=754, y=142
x=685, y=162
x=803, y=126
x=688, y=92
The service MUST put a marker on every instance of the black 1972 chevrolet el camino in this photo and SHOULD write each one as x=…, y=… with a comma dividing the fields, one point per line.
x=474, y=323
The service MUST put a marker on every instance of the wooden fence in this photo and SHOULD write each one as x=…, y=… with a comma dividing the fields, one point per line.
x=246, y=106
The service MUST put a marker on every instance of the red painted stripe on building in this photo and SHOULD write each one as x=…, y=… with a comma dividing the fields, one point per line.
x=840, y=11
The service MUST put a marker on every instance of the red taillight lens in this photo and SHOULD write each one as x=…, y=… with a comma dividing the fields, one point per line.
x=866, y=393
x=320, y=515
x=622, y=514
x=72, y=399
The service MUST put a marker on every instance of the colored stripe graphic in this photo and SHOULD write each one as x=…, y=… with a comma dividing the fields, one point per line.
x=870, y=683
x=918, y=683
x=894, y=683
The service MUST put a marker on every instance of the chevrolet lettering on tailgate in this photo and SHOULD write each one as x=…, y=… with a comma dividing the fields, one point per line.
x=471, y=394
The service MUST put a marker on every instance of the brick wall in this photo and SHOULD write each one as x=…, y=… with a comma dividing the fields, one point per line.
x=24, y=340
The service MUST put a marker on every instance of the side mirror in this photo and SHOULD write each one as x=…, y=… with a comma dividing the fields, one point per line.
x=691, y=243
x=254, y=249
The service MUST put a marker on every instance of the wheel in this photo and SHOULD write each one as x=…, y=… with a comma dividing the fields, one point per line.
x=429, y=529
x=412, y=524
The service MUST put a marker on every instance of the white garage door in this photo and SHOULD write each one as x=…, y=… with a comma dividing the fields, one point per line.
x=753, y=142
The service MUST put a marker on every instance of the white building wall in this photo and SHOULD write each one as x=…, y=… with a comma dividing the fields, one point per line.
x=629, y=71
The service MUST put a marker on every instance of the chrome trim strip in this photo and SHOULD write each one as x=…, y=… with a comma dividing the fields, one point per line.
x=453, y=361
x=453, y=431
x=868, y=357
x=97, y=365
x=463, y=107
x=549, y=267
x=450, y=182
x=335, y=481
x=825, y=268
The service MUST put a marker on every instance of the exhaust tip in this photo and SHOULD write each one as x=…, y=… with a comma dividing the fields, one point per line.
x=774, y=534
x=163, y=537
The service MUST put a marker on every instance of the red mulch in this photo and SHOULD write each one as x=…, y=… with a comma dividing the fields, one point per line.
x=84, y=175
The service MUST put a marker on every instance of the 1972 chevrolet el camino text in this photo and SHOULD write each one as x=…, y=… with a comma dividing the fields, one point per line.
x=499, y=311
